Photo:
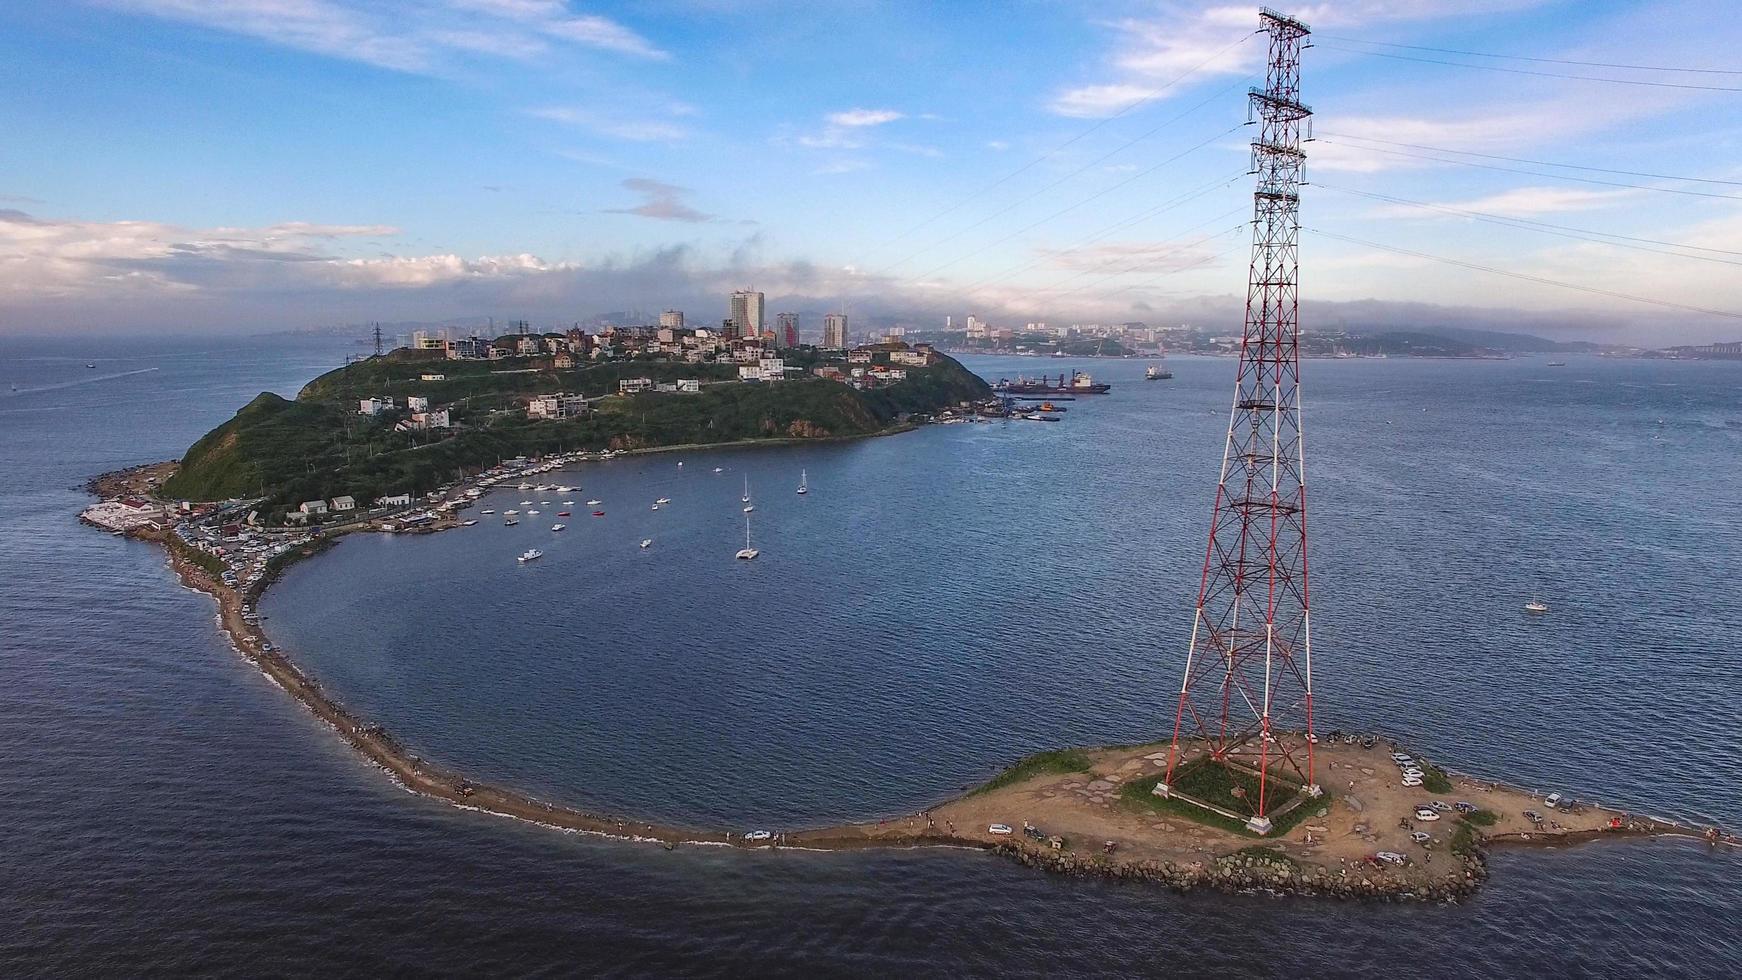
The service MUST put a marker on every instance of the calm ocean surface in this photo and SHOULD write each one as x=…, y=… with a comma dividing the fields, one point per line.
x=939, y=603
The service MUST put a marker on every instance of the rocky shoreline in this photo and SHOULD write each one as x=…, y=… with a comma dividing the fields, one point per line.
x=1248, y=869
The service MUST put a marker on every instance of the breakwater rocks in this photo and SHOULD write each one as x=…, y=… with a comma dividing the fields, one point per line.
x=1259, y=869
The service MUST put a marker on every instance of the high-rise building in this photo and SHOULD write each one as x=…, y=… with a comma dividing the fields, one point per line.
x=747, y=312
x=671, y=319
x=788, y=328
x=835, y=330
x=976, y=329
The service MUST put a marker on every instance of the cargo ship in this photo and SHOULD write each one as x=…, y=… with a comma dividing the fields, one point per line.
x=1079, y=383
x=1156, y=372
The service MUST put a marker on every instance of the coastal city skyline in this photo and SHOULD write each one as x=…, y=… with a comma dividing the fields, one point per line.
x=1096, y=178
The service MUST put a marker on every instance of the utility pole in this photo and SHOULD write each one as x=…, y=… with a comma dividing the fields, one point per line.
x=1247, y=694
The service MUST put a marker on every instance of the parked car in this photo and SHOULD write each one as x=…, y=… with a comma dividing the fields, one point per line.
x=1412, y=781
x=1390, y=857
x=1533, y=816
x=1554, y=800
x=1441, y=805
x=1463, y=807
x=1001, y=829
x=1401, y=758
x=1417, y=773
x=757, y=836
x=1420, y=837
x=1426, y=813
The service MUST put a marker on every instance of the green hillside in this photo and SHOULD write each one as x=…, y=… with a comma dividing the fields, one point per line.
x=319, y=447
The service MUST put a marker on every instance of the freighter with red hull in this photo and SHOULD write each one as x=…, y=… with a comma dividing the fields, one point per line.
x=1079, y=383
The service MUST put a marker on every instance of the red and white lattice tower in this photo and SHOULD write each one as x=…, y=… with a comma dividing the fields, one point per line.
x=1247, y=695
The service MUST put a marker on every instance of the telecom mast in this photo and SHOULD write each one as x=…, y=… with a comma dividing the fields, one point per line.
x=1247, y=695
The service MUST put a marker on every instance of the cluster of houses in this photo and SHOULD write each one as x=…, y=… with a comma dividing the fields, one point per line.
x=311, y=509
x=421, y=416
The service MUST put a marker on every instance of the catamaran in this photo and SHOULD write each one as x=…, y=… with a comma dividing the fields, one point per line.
x=802, y=486
x=748, y=552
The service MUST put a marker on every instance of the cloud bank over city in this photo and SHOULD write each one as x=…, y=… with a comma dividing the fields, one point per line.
x=262, y=165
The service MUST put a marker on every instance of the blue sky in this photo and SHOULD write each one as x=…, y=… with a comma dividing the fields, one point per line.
x=254, y=164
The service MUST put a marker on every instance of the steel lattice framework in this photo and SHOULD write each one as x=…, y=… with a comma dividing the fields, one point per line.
x=1247, y=691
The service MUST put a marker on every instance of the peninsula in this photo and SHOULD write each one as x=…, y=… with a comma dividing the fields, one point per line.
x=407, y=442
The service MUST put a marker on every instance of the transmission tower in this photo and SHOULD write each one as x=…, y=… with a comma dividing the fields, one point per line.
x=378, y=340
x=1246, y=700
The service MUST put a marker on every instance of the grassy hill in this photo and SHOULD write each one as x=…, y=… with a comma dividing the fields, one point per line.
x=319, y=447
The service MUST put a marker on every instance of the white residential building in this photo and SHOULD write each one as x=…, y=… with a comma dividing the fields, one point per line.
x=437, y=419
x=394, y=500
x=773, y=368
x=417, y=403
x=747, y=312
x=671, y=319
x=689, y=386
x=313, y=507
x=374, y=406
x=630, y=386
x=558, y=406
x=434, y=377
x=344, y=503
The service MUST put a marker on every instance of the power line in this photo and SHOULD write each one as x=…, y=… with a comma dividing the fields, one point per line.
x=1539, y=163
x=1031, y=196
x=1531, y=71
x=1594, y=290
x=1547, y=61
x=1538, y=173
x=1162, y=208
x=1146, y=100
x=1580, y=234
x=1072, y=207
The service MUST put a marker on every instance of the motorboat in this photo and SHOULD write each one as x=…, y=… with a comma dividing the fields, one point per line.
x=507, y=513
x=803, y=487
x=487, y=511
x=1536, y=606
x=530, y=554
x=594, y=503
x=719, y=469
x=749, y=507
x=648, y=542
x=654, y=507
x=562, y=513
x=746, y=497
x=598, y=513
x=510, y=522
x=558, y=527
x=663, y=501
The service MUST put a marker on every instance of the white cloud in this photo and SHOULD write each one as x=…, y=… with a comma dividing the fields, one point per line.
x=1521, y=201
x=633, y=130
x=862, y=117
x=404, y=35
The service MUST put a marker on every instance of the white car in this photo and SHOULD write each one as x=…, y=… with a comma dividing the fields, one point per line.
x=1441, y=805
x=1412, y=781
x=1420, y=837
x=1426, y=813
x=1553, y=800
x=1401, y=757
x=757, y=836
x=1390, y=857
x=1417, y=773
x=1001, y=829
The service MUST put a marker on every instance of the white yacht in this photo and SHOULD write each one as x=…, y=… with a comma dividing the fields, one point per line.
x=530, y=554
x=803, y=487
x=558, y=526
x=594, y=503
x=510, y=522
x=1536, y=606
x=648, y=542
x=506, y=513
x=746, y=488
x=719, y=469
x=487, y=510
x=663, y=501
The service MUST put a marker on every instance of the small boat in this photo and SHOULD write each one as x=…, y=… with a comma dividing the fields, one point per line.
x=90, y=364
x=655, y=507
x=719, y=469
x=1536, y=606
x=524, y=486
x=558, y=527
x=544, y=503
x=530, y=554
x=526, y=503
x=748, y=552
x=467, y=523
x=598, y=513
x=663, y=500
x=1557, y=364
x=487, y=511
x=746, y=489
x=680, y=462
x=568, y=503
x=510, y=522
x=749, y=507
x=648, y=542
x=532, y=513
x=594, y=503
x=507, y=513
x=562, y=513
x=802, y=486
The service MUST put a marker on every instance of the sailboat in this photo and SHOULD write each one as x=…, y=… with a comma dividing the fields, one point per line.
x=748, y=552
x=746, y=489
x=802, y=485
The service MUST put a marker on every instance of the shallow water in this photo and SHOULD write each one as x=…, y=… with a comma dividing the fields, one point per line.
x=939, y=603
